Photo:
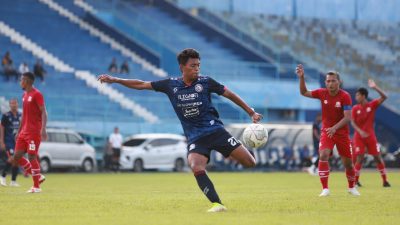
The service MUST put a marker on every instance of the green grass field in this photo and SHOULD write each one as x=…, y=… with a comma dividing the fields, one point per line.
x=174, y=198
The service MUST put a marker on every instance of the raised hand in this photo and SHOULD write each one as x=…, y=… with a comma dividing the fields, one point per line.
x=371, y=83
x=300, y=71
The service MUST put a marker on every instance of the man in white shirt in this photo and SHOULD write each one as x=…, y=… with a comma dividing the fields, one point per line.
x=23, y=68
x=115, y=141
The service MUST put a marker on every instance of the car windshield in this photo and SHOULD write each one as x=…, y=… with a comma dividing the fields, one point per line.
x=134, y=142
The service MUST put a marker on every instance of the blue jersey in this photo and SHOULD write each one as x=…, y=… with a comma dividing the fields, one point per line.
x=11, y=125
x=192, y=104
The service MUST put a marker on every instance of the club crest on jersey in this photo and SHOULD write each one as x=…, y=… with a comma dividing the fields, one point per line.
x=191, y=147
x=325, y=101
x=358, y=111
x=29, y=98
x=368, y=109
x=175, y=89
x=338, y=105
x=198, y=88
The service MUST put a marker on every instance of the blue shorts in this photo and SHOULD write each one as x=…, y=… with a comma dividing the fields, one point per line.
x=220, y=141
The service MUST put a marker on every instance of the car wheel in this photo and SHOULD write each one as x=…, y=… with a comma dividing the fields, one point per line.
x=45, y=165
x=87, y=165
x=179, y=165
x=138, y=165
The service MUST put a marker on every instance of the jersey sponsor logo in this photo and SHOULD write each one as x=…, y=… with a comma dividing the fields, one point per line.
x=368, y=109
x=325, y=102
x=187, y=97
x=338, y=105
x=191, y=104
x=191, y=112
x=191, y=147
x=198, y=88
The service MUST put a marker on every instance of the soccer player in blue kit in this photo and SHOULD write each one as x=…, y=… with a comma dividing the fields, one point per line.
x=190, y=96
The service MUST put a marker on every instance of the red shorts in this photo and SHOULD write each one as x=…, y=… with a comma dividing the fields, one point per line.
x=370, y=142
x=28, y=144
x=342, y=142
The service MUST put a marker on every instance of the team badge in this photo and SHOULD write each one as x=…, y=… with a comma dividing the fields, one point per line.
x=175, y=89
x=191, y=147
x=358, y=111
x=212, y=122
x=338, y=105
x=325, y=101
x=198, y=88
x=368, y=109
x=29, y=98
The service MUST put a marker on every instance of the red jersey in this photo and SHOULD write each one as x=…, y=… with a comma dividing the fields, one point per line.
x=364, y=117
x=333, y=108
x=31, y=123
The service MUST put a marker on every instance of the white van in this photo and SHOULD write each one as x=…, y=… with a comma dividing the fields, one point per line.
x=66, y=149
x=154, y=151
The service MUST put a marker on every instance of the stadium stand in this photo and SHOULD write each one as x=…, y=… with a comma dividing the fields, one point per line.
x=357, y=55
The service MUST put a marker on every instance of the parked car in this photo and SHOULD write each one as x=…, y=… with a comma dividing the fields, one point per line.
x=66, y=149
x=99, y=143
x=154, y=151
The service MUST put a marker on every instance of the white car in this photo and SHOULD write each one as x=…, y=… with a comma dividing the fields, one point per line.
x=66, y=149
x=154, y=151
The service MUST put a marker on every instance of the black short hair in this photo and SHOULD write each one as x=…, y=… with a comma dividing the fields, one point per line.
x=29, y=75
x=186, y=54
x=332, y=72
x=363, y=91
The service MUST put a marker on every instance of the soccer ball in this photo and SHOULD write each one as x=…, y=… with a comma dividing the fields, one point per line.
x=255, y=135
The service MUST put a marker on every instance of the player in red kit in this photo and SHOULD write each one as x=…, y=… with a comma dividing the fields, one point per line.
x=363, y=116
x=336, y=114
x=32, y=131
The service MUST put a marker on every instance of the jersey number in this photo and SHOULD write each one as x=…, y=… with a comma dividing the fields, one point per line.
x=232, y=141
x=32, y=147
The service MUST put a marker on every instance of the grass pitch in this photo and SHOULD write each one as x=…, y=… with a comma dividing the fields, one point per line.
x=174, y=198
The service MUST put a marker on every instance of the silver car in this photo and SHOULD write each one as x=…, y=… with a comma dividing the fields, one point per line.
x=66, y=149
x=154, y=151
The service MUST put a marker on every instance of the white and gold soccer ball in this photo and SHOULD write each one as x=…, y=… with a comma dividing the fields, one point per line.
x=255, y=135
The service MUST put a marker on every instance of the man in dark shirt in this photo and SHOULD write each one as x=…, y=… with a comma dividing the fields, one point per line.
x=8, y=129
x=190, y=96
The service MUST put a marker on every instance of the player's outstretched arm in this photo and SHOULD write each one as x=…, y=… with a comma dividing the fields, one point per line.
x=373, y=85
x=303, y=87
x=256, y=117
x=130, y=83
